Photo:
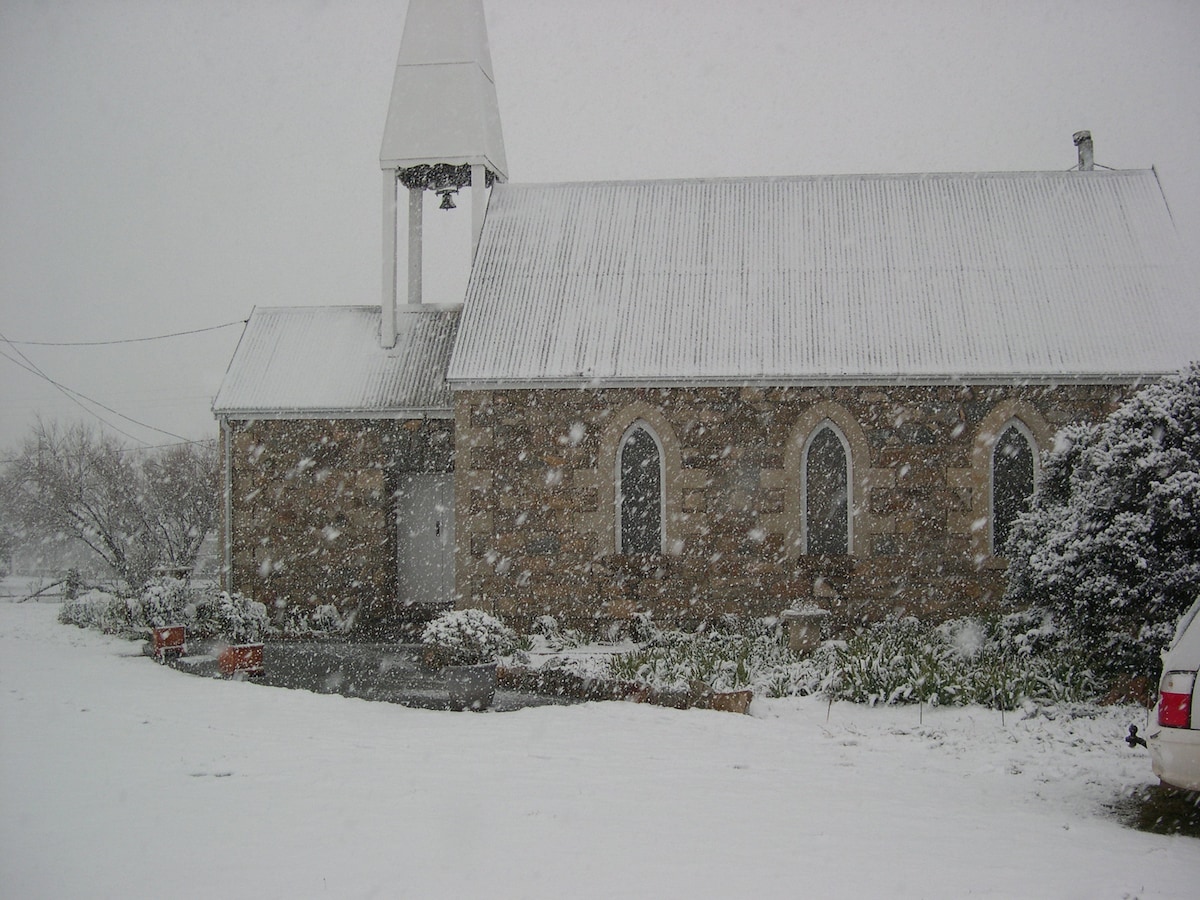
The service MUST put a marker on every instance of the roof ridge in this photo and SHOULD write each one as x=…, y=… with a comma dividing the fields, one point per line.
x=360, y=307
x=846, y=176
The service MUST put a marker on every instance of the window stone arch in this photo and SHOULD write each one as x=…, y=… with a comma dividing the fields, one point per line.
x=640, y=492
x=1014, y=475
x=826, y=493
x=854, y=443
x=976, y=482
x=612, y=439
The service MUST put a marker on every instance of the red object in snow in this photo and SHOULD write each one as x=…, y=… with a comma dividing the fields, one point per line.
x=169, y=642
x=241, y=659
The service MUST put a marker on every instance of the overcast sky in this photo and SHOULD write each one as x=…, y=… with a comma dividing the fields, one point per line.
x=168, y=165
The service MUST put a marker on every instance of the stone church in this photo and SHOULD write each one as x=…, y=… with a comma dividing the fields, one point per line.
x=686, y=397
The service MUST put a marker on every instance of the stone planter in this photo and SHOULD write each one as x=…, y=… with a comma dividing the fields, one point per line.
x=804, y=628
x=732, y=701
x=471, y=687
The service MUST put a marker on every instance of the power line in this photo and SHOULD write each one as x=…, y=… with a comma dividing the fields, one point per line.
x=66, y=392
x=73, y=395
x=157, y=337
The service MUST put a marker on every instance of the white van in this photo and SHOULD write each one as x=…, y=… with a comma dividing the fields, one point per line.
x=1174, y=736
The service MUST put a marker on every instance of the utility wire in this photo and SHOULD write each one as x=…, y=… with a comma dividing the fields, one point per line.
x=76, y=397
x=67, y=393
x=157, y=337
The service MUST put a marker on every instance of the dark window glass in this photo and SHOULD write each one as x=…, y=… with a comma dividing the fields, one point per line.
x=827, y=495
x=640, y=494
x=1012, y=483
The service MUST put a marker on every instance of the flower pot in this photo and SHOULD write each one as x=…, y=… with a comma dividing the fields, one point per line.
x=471, y=687
x=243, y=659
x=169, y=642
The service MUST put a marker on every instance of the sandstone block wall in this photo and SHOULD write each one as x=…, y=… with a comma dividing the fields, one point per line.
x=312, y=500
x=535, y=497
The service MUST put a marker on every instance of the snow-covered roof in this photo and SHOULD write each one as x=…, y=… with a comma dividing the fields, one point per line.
x=326, y=361
x=443, y=107
x=994, y=276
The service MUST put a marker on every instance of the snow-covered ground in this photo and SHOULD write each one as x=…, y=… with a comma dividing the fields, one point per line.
x=120, y=778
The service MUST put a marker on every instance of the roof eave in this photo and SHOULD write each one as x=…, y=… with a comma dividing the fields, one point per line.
x=580, y=383
x=439, y=412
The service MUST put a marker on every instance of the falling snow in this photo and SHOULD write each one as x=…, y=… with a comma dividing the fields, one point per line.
x=235, y=789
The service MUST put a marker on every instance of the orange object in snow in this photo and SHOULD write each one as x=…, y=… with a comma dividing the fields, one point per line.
x=169, y=641
x=246, y=659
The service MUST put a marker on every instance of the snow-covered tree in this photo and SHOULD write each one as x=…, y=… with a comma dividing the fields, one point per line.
x=8, y=526
x=1111, y=544
x=134, y=510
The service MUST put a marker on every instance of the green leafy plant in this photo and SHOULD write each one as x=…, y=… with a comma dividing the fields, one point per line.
x=731, y=658
x=1001, y=664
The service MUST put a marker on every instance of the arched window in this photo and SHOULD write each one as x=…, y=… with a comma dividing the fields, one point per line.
x=1012, y=481
x=826, y=493
x=639, y=491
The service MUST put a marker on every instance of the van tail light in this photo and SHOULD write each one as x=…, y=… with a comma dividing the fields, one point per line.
x=1175, y=699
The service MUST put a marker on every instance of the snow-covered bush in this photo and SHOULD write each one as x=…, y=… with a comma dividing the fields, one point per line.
x=898, y=661
x=959, y=662
x=1111, y=544
x=555, y=636
x=101, y=611
x=891, y=662
x=169, y=601
x=320, y=622
x=464, y=637
x=231, y=616
x=726, y=659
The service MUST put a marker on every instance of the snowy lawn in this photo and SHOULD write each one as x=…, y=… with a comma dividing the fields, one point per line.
x=120, y=778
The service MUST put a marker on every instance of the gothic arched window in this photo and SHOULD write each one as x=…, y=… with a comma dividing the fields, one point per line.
x=1012, y=482
x=639, y=491
x=826, y=487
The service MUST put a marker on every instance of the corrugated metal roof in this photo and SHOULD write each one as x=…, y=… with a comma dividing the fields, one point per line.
x=327, y=361
x=837, y=278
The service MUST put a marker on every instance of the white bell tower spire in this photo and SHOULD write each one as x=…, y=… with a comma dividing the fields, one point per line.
x=442, y=134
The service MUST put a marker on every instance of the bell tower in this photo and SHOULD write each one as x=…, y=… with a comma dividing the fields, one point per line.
x=442, y=134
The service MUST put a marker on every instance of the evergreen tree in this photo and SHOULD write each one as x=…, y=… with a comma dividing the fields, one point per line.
x=1111, y=544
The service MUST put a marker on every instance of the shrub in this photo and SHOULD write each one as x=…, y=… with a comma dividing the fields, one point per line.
x=556, y=637
x=991, y=663
x=321, y=621
x=231, y=616
x=1111, y=544
x=960, y=662
x=464, y=637
x=101, y=611
x=725, y=660
x=899, y=661
x=169, y=601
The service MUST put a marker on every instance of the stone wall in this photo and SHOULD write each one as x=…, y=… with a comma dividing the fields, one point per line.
x=313, y=517
x=535, y=495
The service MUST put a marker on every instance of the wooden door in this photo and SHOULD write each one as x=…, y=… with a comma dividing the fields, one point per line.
x=425, y=539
